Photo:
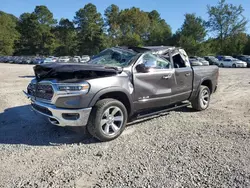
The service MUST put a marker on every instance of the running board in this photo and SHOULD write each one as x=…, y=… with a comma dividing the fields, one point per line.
x=162, y=111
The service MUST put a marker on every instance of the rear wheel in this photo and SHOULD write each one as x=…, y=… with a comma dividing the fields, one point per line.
x=201, y=102
x=221, y=65
x=107, y=120
x=234, y=66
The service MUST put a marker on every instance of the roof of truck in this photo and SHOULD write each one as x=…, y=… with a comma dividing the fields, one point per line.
x=153, y=49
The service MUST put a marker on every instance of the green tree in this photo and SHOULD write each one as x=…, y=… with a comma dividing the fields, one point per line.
x=235, y=44
x=45, y=37
x=159, y=31
x=192, y=35
x=66, y=38
x=8, y=33
x=90, y=30
x=112, y=23
x=226, y=20
x=247, y=46
x=134, y=25
x=44, y=16
x=36, y=32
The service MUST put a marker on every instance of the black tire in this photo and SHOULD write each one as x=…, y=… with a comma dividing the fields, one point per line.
x=234, y=66
x=221, y=65
x=198, y=103
x=97, y=115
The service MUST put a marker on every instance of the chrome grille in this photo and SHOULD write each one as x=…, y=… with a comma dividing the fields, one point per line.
x=41, y=91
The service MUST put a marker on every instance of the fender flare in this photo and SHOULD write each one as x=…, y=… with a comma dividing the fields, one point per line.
x=203, y=80
x=109, y=90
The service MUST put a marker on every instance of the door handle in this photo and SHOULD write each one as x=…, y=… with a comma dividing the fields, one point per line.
x=167, y=76
x=187, y=74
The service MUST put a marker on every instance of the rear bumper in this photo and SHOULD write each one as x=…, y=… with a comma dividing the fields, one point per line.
x=62, y=117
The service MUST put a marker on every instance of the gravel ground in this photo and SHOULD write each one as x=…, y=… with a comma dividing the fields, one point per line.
x=182, y=149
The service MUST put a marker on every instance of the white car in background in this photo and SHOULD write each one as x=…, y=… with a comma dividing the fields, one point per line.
x=50, y=59
x=202, y=60
x=76, y=59
x=195, y=62
x=85, y=58
x=232, y=62
x=64, y=59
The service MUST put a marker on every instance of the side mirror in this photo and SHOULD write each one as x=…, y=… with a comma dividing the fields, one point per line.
x=141, y=68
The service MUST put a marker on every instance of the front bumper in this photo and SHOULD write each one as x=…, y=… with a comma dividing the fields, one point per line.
x=61, y=116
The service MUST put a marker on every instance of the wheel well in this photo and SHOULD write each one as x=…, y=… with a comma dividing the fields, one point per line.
x=120, y=96
x=208, y=83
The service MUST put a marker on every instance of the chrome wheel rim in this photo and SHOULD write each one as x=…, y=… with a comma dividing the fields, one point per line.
x=112, y=120
x=204, y=98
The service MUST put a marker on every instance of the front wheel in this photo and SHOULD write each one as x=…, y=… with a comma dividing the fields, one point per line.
x=234, y=66
x=221, y=65
x=107, y=120
x=201, y=102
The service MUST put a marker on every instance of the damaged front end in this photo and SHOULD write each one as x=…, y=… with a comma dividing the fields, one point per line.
x=73, y=71
x=59, y=91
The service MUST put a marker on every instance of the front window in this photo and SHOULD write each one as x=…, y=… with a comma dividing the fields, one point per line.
x=114, y=57
x=151, y=61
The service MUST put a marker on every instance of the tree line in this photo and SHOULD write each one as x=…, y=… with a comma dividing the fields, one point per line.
x=38, y=33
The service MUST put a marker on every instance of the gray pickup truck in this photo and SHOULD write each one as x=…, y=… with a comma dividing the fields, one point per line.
x=120, y=85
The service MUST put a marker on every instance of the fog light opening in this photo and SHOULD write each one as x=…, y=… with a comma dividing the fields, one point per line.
x=54, y=121
x=71, y=116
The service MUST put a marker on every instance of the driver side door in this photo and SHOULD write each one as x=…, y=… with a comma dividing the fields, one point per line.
x=153, y=82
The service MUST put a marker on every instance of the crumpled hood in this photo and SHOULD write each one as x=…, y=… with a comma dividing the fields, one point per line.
x=63, y=71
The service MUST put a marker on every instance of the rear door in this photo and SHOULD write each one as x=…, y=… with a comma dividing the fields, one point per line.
x=153, y=88
x=183, y=86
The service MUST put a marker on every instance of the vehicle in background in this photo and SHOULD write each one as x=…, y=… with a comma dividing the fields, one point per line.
x=64, y=59
x=212, y=60
x=19, y=60
x=3, y=59
x=76, y=59
x=38, y=60
x=202, y=60
x=11, y=59
x=195, y=62
x=85, y=59
x=245, y=58
x=220, y=57
x=50, y=59
x=27, y=60
x=55, y=59
x=232, y=62
x=225, y=57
